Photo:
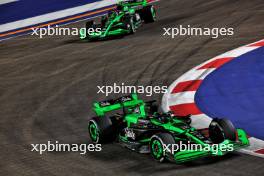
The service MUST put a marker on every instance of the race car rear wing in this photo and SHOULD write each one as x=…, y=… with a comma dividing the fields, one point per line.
x=130, y=101
x=136, y=3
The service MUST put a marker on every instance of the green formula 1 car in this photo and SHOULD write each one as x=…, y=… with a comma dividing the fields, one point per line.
x=141, y=128
x=125, y=19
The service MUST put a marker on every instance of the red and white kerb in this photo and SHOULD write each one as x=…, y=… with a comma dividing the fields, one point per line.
x=180, y=95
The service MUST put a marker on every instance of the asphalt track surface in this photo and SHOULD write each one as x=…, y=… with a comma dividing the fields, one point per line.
x=47, y=87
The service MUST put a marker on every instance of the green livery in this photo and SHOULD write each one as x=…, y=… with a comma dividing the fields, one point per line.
x=125, y=19
x=139, y=126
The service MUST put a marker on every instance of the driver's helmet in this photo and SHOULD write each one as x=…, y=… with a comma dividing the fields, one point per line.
x=125, y=9
x=119, y=7
x=136, y=110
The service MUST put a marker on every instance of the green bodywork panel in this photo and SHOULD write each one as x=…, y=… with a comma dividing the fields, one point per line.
x=132, y=118
x=242, y=136
x=188, y=155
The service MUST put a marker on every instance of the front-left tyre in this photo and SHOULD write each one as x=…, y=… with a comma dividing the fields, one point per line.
x=101, y=130
x=129, y=25
x=158, y=144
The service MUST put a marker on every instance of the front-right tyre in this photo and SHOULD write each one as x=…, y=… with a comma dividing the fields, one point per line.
x=148, y=14
x=221, y=129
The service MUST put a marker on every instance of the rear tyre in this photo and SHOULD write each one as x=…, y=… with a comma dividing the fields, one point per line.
x=221, y=129
x=101, y=130
x=89, y=24
x=157, y=146
x=104, y=20
x=95, y=27
x=148, y=14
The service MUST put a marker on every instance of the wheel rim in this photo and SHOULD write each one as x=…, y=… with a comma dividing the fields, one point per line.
x=93, y=132
x=153, y=12
x=156, y=148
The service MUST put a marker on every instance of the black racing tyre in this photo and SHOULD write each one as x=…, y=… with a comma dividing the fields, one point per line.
x=148, y=14
x=221, y=129
x=104, y=20
x=93, y=25
x=89, y=24
x=157, y=148
x=101, y=130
